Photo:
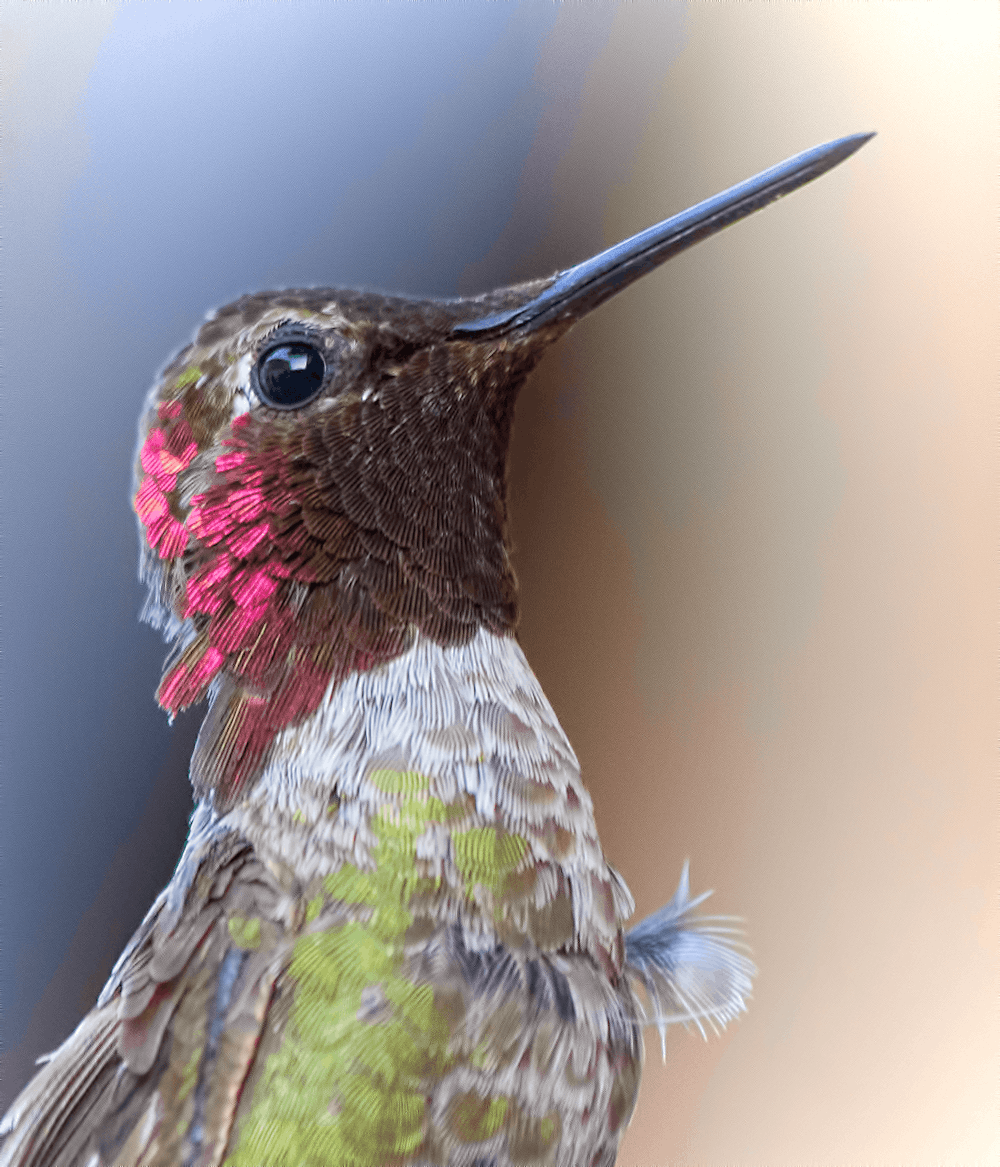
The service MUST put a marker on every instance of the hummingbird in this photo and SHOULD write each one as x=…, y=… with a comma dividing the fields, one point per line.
x=392, y=937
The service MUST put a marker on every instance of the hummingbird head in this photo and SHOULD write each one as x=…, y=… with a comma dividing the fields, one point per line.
x=321, y=478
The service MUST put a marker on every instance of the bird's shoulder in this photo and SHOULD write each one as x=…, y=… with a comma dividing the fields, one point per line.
x=154, y=1071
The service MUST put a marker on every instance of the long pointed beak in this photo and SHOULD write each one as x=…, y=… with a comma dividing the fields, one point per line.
x=579, y=289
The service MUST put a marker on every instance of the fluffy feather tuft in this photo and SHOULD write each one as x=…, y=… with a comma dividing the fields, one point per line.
x=691, y=968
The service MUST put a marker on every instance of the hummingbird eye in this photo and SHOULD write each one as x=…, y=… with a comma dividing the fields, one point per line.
x=288, y=375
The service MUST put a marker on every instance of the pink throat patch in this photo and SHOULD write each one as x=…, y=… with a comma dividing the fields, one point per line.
x=249, y=551
x=168, y=449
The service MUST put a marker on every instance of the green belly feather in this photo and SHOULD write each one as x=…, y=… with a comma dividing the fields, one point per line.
x=349, y=1084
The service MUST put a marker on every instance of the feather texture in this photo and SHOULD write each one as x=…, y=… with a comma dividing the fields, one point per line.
x=692, y=968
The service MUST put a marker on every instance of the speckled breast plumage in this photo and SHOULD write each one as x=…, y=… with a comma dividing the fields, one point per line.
x=404, y=947
x=446, y=997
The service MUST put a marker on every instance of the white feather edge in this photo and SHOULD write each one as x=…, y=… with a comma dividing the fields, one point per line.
x=692, y=969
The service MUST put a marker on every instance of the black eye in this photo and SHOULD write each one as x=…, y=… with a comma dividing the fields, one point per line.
x=289, y=375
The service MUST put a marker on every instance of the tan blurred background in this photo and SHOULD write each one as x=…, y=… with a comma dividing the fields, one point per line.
x=754, y=506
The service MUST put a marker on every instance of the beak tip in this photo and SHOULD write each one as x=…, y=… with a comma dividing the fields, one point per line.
x=845, y=147
x=591, y=282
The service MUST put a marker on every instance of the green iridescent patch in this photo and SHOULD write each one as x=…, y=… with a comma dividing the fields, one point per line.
x=487, y=856
x=245, y=933
x=191, y=374
x=399, y=781
x=348, y=1085
x=548, y=1128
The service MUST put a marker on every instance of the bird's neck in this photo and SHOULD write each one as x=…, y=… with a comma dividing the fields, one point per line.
x=459, y=749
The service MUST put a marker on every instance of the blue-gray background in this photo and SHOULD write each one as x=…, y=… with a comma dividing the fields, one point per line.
x=166, y=158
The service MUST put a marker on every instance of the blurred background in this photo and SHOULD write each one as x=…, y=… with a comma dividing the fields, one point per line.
x=753, y=496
